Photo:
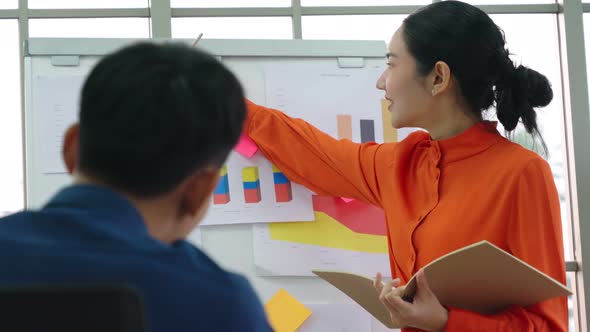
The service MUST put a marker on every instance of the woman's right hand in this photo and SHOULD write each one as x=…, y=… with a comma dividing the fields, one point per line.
x=425, y=311
x=389, y=288
x=382, y=288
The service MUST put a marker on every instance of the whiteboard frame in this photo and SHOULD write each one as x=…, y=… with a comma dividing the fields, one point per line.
x=219, y=47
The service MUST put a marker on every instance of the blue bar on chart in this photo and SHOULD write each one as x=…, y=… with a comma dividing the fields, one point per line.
x=221, y=192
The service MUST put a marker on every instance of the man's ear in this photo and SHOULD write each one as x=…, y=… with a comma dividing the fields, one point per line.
x=196, y=192
x=70, y=148
x=441, y=77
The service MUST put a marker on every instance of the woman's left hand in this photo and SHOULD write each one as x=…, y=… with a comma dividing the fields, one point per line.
x=425, y=312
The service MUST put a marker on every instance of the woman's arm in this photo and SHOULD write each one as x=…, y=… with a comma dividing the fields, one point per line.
x=315, y=159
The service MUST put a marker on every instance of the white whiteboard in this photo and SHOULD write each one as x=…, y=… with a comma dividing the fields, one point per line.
x=230, y=245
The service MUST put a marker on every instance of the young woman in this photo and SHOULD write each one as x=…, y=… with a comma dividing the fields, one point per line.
x=455, y=184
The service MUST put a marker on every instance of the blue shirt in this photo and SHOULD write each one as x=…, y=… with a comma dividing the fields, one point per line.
x=89, y=234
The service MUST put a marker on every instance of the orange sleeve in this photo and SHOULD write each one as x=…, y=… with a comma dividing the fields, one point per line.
x=314, y=159
x=534, y=235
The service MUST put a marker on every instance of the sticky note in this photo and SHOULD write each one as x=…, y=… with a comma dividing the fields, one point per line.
x=246, y=146
x=285, y=313
x=347, y=200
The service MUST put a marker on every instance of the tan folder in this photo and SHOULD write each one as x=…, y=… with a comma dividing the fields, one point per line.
x=480, y=277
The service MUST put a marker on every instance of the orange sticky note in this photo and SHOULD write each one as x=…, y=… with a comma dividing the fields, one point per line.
x=285, y=313
x=246, y=146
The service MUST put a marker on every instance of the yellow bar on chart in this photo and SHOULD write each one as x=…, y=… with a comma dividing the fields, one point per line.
x=250, y=174
x=389, y=133
x=223, y=171
x=285, y=313
x=276, y=169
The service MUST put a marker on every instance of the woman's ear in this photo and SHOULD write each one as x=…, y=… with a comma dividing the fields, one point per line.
x=441, y=77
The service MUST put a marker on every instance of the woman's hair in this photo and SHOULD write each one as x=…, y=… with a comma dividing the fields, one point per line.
x=473, y=46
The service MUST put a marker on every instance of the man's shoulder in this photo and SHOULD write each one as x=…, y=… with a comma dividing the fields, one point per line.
x=217, y=293
x=210, y=273
x=18, y=222
x=248, y=307
x=239, y=282
x=190, y=261
x=16, y=216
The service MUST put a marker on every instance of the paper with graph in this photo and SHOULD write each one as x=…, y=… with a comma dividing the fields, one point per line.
x=336, y=317
x=56, y=98
x=341, y=102
x=252, y=190
x=345, y=235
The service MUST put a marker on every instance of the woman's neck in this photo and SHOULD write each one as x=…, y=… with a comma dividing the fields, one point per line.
x=452, y=119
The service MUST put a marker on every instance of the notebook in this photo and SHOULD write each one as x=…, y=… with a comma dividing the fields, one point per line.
x=480, y=277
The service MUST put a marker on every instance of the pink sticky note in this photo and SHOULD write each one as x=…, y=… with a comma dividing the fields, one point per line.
x=347, y=200
x=246, y=146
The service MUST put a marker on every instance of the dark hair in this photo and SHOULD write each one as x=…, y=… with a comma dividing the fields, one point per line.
x=151, y=114
x=473, y=46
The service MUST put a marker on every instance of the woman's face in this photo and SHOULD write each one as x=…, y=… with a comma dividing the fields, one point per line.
x=410, y=99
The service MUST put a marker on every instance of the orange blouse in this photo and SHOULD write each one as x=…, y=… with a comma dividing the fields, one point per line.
x=438, y=196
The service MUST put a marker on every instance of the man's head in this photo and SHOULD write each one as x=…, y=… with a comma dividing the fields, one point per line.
x=154, y=118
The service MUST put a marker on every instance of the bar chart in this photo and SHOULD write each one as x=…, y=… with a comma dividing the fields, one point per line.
x=251, y=186
x=221, y=192
x=251, y=181
x=366, y=126
x=283, y=190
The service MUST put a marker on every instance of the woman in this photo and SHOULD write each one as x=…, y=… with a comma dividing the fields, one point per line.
x=459, y=183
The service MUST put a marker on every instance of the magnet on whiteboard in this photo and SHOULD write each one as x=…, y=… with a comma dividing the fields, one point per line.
x=350, y=62
x=65, y=60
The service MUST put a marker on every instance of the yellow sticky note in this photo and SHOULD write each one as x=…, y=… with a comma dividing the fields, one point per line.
x=285, y=313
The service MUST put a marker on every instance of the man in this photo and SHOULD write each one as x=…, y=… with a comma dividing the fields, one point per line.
x=156, y=124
